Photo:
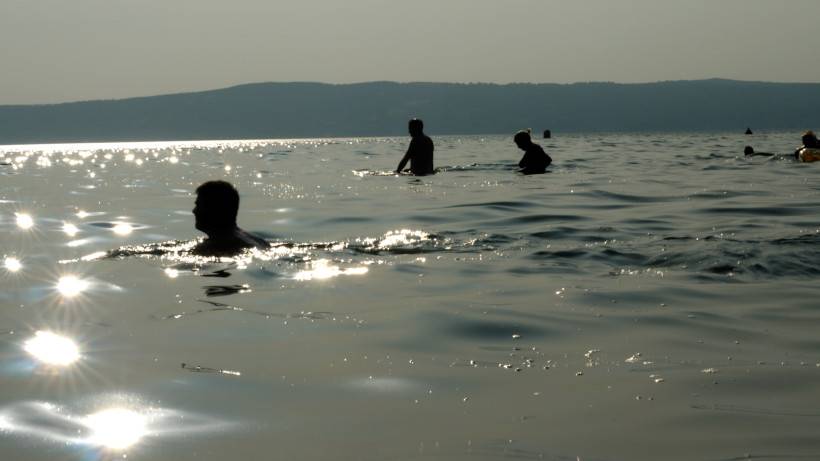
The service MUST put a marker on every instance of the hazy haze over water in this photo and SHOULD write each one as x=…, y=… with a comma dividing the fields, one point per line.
x=90, y=49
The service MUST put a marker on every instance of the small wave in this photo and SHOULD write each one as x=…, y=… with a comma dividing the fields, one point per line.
x=790, y=210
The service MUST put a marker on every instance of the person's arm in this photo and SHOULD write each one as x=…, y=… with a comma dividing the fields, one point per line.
x=403, y=162
x=524, y=160
x=410, y=150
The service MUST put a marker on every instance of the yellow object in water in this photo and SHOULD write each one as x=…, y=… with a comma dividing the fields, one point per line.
x=809, y=155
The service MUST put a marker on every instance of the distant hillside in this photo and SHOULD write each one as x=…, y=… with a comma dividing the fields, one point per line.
x=275, y=110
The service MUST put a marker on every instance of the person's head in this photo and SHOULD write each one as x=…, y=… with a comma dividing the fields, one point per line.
x=522, y=139
x=749, y=150
x=810, y=139
x=415, y=126
x=217, y=204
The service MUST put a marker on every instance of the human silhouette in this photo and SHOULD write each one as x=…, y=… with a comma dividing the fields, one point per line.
x=535, y=160
x=809, y=142
x=749, y=151
x=749, y=131
x=217, y=204
x=547, y=134
x=420, y=151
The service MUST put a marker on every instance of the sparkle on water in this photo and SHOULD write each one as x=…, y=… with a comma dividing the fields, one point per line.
x=12, y=264
x=70, y=229
x=116, y=428
x=322, y=269
x=24, y=221
x=52, y=349
x=71, y=285
x=122, y=228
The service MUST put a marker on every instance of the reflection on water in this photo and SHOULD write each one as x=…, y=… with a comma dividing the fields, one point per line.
x=501, y=305
x=122, y=228
x=116, y=428
x=70, y=286
x=70, y=229
x=12, y=264
x=402, y=237
x=24, y=221
x=52, y=349
x=323, y=269
x=122, y=423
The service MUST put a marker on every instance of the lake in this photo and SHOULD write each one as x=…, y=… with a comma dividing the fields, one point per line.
x=653, y=296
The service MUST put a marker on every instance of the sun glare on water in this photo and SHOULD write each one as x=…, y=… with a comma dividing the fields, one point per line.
x=12, y=264
x=123, y=228
x=52, y=349
x=322, y=270
x=70, y=286
x=24, y=221
x=116, y=428
x=70, y=229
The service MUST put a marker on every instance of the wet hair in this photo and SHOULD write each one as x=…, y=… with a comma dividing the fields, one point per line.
x=522, y=136
x=415, y=123
x=221, y=196
x=809, y=139
x=749, y=150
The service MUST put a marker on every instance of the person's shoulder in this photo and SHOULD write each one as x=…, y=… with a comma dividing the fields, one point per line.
x=252, y=240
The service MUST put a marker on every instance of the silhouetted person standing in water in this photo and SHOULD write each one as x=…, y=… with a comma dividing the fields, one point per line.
x=217, y=204
x=535, y=160
x=420, y=151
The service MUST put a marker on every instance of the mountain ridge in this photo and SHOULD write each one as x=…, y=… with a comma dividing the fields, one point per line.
x=382, y=108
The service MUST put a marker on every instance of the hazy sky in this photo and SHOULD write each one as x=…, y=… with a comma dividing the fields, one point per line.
x=66, y=50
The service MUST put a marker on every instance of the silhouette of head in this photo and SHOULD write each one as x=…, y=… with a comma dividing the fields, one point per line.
x=749, y=150
x=415, y=126
x=522, y=139
x=810, y=139
x=217, y=203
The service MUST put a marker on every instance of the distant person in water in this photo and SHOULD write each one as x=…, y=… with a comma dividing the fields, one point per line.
x=217, y=204
x=420, y=151
x=535, y=160
x=749, y=151
x=809, y=142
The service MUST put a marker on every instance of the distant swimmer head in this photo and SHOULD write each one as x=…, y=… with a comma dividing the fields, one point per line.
x=749, y=150
x=217, y=204
x=810, y=139
x=522, y=139
x=415, y=126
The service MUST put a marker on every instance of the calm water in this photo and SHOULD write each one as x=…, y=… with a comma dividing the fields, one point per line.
x=651, y=297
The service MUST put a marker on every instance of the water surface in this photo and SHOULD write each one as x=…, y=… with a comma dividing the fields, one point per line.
x=653, y=296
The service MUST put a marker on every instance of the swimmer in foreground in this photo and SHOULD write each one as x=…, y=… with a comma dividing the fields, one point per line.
x=809, y=142
x=217, y=204
x=535, y=160
x=420, y=151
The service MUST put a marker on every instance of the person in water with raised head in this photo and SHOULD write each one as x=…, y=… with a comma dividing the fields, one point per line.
x=535, y=160
x=420, y=151
x=217, y=204
x=809, y=142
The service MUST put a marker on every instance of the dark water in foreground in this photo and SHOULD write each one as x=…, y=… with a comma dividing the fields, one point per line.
x=651, y=297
